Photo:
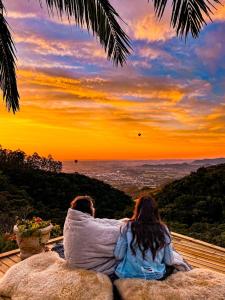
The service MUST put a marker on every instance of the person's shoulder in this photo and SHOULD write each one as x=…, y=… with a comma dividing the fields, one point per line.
x=126, y=226
x=109, y=222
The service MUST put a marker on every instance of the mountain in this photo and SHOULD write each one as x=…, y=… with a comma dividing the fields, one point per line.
x=48, y=195
x=195, y=204
x=168, y=166
x=208, y=161
x=187, y=165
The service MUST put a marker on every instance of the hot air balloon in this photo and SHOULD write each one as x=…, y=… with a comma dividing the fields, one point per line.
x=139, y=134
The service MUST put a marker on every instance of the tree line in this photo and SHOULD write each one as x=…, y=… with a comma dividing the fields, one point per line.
x=195, y=204
x=19, y=159
x=34, y=186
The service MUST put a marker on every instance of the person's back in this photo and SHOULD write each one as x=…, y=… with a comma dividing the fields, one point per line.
x=144, y=248
x=89, y=242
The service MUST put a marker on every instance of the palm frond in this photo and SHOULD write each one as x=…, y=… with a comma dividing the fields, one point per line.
x=8, y=82
x=188, y=16
x=191, y=15
x=99, y=17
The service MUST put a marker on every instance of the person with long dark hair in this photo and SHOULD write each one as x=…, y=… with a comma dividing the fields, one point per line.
x=144, y=249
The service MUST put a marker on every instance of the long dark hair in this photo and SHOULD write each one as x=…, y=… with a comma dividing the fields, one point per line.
x=148, y=230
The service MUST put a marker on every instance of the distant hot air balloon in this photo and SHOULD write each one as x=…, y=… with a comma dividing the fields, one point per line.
x=75, y=161
x=139, y=134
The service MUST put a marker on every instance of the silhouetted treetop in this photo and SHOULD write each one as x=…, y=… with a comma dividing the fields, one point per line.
x=19, y=159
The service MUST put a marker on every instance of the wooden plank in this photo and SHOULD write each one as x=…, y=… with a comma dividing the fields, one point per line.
x=199, y=247
x=7, y=261
x=211, y=257
x=207, y=255
x=3, y=267
x=55, y=240
x=187, y=238
x=5, y=254
x=205, y=263
x=15, y=258
x=195, y=264
x=199, y=265
x=200, y=257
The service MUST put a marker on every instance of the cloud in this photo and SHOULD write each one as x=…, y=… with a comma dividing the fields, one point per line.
x=149, y=28
x=219, y=13
x=171, y=91
x=167, y=104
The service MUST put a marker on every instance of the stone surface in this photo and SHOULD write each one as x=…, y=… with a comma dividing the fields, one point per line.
x=33, y=244
x=46, y=276
x=198, y=284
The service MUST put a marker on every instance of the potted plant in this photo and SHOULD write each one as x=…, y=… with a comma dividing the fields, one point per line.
x=32, y=236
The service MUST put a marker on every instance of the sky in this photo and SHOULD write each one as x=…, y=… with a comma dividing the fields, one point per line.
x=76, y=105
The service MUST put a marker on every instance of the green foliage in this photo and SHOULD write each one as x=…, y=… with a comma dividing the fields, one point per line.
x=7, y=243
x=19, y=160
x=195, y=204
x=14, y=202
x=56, y=231
x=26, y=191
x=31, y=227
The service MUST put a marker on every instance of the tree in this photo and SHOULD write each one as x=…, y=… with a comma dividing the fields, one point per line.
x=99, y=17
x=11, y=160
x=195, y=204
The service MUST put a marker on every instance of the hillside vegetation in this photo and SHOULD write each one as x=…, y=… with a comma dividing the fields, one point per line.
x=29, y=190
x=195, y=204
x=34, y=186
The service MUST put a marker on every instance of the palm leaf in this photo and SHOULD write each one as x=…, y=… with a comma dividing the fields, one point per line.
x=188, y=16
x=99, y=17
x=8, y=82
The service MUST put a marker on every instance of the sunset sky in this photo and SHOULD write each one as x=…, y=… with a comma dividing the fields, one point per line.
x=75, y=104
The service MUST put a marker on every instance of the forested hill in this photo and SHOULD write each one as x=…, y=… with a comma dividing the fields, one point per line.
x=195, y=204
x=34, y=186
x=48, y=195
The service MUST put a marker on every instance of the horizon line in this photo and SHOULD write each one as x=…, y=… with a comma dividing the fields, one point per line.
x=147, y=159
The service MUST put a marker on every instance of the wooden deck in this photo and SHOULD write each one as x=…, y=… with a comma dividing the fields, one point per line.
x=199, y=254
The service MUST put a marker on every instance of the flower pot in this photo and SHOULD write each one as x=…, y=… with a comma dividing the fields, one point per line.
x=33, y=244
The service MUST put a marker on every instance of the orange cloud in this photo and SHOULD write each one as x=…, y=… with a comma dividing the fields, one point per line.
x=219, y=13
x=95, y=118
x=151, y=29
x=96, y=112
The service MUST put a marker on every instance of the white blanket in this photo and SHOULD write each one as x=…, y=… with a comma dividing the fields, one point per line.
x=89, y=243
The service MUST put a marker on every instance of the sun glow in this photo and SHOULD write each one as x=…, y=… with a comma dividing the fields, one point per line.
x=76, y=104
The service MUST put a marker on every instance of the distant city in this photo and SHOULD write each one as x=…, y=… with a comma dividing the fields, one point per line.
x=137, y=174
